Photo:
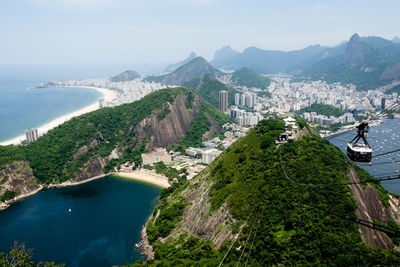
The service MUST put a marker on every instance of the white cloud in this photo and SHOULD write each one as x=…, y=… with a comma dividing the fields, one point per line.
x=332, y=18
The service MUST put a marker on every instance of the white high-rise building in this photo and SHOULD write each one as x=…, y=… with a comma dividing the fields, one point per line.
x=237, y=99
x=101, y=102
x=223, y=100
x=31, y=135
x=243, y=100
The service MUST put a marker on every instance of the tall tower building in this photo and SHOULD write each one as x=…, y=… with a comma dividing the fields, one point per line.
x=237, y=99
x=31, y=135
x=223, y=100
x=101, y=102
x=383, y=103
x=243, y=100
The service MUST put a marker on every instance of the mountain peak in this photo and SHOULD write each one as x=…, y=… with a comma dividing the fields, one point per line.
x=355, y=37
x=174, y=66
x=354, y=46
x=223, y=54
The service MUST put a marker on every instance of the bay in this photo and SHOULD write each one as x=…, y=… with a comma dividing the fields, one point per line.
x=382, y=138
x=104, y=223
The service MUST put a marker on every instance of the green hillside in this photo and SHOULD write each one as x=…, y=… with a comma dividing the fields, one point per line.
x=250, y=78
x=209, y=87
x=55, y=157
x=283, y=223
x=366, y=62
x=125, y=76
x=197, y=67
x=323, y=109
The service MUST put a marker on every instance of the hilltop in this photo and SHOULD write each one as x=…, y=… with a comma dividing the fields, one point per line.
x=96, y=142
x=172, y=67
x=208, y=87
x=197, y=67
x=250, y=78
x=249, y=206
x=125, y=76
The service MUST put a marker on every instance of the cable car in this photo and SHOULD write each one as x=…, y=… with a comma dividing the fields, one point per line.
x=358, y=151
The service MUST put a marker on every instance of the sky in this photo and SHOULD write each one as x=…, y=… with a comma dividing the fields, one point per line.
x=166, y=31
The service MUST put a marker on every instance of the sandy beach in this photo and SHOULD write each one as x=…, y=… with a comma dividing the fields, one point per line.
x=147, y=177
x=108, y=96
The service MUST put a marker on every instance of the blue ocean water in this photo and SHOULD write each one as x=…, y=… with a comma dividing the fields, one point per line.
x=21, y=109
x=102, y=228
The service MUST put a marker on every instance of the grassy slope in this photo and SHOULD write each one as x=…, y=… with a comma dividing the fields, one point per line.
x=250, y=78
x=292, y=222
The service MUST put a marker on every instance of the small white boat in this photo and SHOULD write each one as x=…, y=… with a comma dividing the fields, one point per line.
x=69, y=210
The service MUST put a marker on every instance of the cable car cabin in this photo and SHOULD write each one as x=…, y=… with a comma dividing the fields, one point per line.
x=359, y=152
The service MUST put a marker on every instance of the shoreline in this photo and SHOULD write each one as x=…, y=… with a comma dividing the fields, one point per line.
x=107, y=94
x=141, y=175
x=146, y=177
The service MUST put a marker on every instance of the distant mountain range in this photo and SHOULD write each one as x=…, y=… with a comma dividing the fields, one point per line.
x=174, y=66
x=128, y=75
x=197, y=67
x=367, y=62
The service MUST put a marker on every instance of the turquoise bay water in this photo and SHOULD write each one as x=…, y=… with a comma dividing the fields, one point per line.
x=104, y=223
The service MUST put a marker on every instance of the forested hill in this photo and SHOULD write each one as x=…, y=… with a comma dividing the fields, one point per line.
x=94, y=143
x=367, y=62
x=197, y=67
x=128, y=75
x=208, y=87
x=250, y=78
x=323, y=109
x=243, y=209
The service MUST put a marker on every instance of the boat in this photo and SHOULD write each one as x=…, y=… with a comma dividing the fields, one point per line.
x=69, y=210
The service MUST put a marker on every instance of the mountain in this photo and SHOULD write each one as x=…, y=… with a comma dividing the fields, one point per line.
x=250, y=206
x=250, y=78
x=208, y=87
x=125, y=76
x=96, y=142
x=195, y=68
x=222, y=55
x=367, y=62
x=269, y=61
x=396, y=40
x=173, y=67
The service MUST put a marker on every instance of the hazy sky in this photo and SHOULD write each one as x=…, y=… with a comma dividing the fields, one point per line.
x=118, y=31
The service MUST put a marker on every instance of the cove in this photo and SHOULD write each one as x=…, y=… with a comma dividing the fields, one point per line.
x=101, y=230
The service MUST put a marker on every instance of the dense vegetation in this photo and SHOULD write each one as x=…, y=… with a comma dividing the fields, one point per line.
x=208, y=87
x=286, y=223
x=323, y=109
x=200, y=125
x=53, y=157
x=250, y=78
x=366, y=62
x=19, y=256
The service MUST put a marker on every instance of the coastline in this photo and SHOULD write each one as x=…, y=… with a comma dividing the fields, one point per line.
x=141, y=175
x=108, y=96
x=146, y=177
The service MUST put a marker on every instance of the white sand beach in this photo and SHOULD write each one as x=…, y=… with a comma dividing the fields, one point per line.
x=108, y=96
x=147, y=177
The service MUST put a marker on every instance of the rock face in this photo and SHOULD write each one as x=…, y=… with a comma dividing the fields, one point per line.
x=18, y=177
x=172, y=128
x=369, y=208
